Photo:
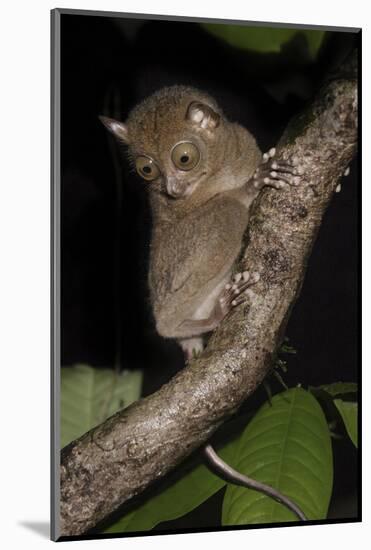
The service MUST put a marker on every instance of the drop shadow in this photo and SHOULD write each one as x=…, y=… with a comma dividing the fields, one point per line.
x=42, y=528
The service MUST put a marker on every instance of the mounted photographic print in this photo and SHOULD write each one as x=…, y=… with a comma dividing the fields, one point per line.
x=205, y=190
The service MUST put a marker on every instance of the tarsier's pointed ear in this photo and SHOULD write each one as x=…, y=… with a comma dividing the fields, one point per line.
x=202, y=115
x=118, y=129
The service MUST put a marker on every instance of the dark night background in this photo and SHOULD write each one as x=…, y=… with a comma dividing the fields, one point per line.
x=109, y=65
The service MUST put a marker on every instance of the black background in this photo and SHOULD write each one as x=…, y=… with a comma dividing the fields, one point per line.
x=109, y=65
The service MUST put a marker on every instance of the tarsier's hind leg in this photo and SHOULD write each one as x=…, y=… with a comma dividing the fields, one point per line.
x=234, y=293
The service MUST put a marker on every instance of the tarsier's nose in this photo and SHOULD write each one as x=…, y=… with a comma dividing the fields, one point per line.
x=175, y=188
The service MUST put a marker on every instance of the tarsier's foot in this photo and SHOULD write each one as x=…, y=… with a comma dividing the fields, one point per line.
x=235, y=292
x=192, y=347
x=277, y=174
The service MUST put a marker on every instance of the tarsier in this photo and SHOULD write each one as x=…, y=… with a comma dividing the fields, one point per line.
x=203, y=174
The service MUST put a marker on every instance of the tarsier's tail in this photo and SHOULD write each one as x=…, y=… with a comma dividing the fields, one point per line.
x=229, y=474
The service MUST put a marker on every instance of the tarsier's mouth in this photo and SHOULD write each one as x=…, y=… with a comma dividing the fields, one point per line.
x=177, y=189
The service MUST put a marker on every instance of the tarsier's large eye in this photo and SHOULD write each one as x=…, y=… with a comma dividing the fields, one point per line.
x=147, y=168
x=185, y=155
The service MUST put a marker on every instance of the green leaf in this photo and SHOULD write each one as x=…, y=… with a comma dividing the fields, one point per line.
x=340, y=397
x=349, y=414
x=338, y=388
x=264, y=39
x=286, y=445
x=89, y=396
x=181, y=497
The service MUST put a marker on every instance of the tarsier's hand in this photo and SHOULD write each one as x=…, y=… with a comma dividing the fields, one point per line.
x=277, y=174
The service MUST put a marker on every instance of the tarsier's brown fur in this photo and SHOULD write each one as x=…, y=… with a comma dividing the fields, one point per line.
x=195, y=239
x=199, y=216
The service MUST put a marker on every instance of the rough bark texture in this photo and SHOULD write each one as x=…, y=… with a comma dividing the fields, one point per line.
x=120, y=458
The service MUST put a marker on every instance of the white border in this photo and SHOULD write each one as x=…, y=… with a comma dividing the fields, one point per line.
x=25, y=260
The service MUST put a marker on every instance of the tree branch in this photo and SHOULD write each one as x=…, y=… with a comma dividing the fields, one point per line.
x=120, y=458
